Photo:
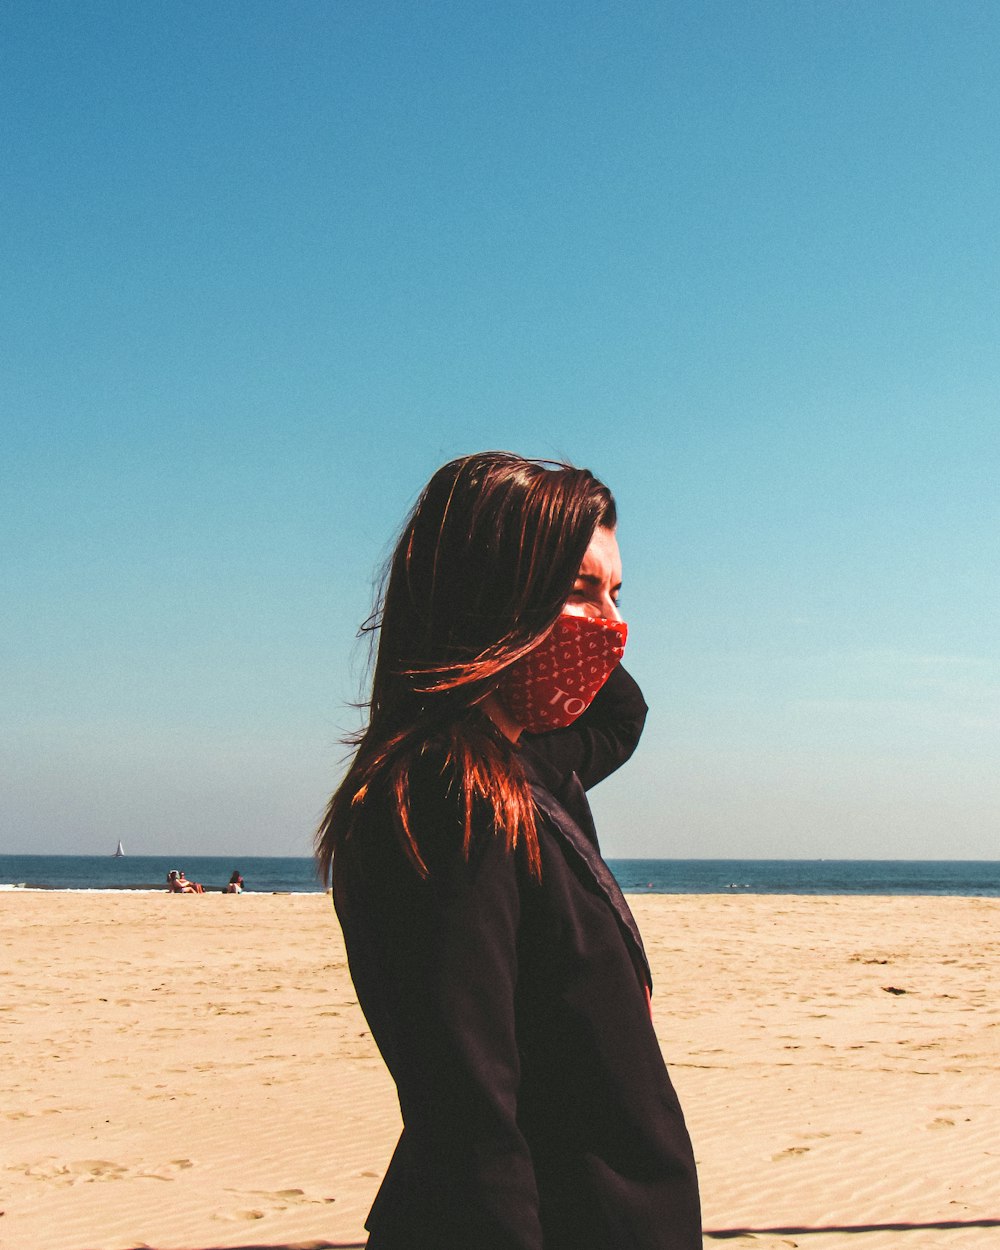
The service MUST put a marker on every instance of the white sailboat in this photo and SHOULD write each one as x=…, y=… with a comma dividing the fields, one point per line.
x=120, y=851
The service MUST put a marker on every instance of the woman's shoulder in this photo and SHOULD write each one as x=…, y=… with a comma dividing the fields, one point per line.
x=426, y=787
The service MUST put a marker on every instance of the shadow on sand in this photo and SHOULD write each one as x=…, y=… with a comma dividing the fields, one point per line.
x=722, y=1234
x=284, y=1245
x=717, y=1234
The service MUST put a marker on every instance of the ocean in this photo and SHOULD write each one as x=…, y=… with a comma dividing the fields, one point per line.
x=963, y=878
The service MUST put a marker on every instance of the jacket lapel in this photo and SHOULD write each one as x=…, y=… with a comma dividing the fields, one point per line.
x=585, y=852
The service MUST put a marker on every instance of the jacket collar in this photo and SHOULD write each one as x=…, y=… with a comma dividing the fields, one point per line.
x=583, y=847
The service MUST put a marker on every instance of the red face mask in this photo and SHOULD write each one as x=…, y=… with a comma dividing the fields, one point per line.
x=556, y=682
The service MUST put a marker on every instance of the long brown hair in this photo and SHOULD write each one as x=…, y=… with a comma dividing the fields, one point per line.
x=483, y=567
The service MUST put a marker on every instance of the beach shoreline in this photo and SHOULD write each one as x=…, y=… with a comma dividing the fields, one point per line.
x=184, y=1077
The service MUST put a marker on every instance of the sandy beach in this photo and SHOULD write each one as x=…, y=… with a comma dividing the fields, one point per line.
x=193, y=1073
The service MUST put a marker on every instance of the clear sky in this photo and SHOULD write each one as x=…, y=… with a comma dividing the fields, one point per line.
x=266, y=266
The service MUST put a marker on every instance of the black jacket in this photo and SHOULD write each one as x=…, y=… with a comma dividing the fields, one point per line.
x=513, y=1017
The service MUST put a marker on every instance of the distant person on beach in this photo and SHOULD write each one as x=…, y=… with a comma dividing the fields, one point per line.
x=235, y=885
x=497, y=962
x=177, y=883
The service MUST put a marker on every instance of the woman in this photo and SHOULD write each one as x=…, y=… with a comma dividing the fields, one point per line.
x=494, y=956
x=177, y=883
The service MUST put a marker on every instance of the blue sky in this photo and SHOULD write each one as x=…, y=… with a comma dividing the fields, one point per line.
x=268, y=265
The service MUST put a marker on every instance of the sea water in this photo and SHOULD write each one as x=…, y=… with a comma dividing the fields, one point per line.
x=968, y=878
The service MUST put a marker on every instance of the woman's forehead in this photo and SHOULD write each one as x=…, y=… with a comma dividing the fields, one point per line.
x=602, y=559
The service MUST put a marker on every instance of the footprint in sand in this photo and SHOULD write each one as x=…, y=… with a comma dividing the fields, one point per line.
x=273, y=1203
x=86, y=1171
x=80, y=1171
x=786, y=1154
x=166, y=1171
